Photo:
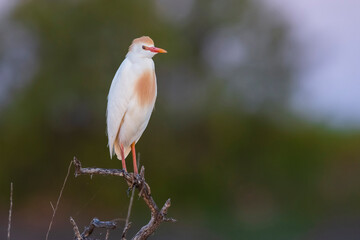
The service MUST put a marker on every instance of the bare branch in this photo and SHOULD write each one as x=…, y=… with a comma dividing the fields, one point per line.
x=127, y=223
x=76, y=229
x=156, y=219
x=138, y=181
x=126, y=228
x=10, y=210
x=96, y=171
x=95, y=223
x=58, y=201
x=107, y=234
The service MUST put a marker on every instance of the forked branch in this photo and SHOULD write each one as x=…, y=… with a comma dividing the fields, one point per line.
x=134, y=181
x=95, y=223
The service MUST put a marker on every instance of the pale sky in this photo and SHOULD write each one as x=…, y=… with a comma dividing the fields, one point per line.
x=329, y=78
x=5, y=6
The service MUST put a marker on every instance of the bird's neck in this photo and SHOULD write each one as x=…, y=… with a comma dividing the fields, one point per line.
x=143, y=62
x=134, y=56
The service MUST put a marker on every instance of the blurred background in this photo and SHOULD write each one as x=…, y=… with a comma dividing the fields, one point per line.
x=255, y=134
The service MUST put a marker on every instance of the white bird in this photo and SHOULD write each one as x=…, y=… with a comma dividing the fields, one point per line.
x=131, y=99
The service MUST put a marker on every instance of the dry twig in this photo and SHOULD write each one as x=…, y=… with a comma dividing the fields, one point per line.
x=10, y=210
x=76, y=229
x=138, y=181
x=95, y=223
x=127, y=223
x=107, y=234
x=58, y=201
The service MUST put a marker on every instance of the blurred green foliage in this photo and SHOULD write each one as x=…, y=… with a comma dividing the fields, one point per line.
x=230, y=171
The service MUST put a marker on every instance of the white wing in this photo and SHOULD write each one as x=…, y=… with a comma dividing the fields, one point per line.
x=118, y=100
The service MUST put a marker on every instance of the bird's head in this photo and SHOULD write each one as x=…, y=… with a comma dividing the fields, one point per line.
x=143, y=47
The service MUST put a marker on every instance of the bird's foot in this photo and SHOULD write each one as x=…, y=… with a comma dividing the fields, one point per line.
x=132, y=183
x=130, y=189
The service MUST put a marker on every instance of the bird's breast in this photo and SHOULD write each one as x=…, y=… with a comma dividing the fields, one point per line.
x=145, y=88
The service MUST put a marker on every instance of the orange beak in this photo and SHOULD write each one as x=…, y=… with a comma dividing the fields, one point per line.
x=155, y=49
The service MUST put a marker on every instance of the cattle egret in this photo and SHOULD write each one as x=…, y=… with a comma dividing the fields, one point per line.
x=131, y=99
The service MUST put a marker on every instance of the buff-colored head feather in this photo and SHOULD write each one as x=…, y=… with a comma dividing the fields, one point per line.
x=142, y=40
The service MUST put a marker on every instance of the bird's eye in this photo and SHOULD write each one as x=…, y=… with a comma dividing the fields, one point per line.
x=143, y=47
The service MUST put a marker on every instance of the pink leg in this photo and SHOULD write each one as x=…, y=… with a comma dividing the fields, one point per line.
x=123, y=157
x=134, y=158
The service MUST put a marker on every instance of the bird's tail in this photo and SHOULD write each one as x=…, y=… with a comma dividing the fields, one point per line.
x=118, y=151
